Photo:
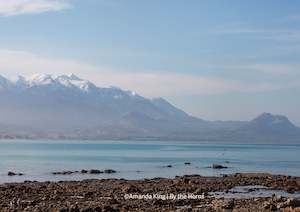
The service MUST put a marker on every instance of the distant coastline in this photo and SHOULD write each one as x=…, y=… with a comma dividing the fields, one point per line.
x=68, y=107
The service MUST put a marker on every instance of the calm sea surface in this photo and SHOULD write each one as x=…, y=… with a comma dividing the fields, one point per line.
x=138, y=160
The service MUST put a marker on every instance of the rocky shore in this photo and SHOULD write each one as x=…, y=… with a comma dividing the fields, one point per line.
x=186, y=193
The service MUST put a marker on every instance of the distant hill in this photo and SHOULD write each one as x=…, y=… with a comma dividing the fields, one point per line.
x=67, y=107
x=269, y=128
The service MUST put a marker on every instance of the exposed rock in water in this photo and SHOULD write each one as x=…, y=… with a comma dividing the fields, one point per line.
x=187, y=163
x=14, y=174
x=95, y=171
x=83, y=171
x=63, y=173
x=109, y=171
x=218, y=166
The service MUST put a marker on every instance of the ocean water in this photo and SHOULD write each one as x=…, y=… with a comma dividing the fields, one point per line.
x=37, y=159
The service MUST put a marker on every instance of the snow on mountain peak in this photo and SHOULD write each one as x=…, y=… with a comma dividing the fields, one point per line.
x=4, y=83
x=73, y=77
x=72, y=80
x=39, y=79
x=69, y=81
x=57, y=82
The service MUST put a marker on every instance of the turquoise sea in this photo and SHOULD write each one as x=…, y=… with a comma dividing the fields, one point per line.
x=37, y=159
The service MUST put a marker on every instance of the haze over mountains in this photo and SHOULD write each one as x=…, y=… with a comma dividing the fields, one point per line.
x=65, y=106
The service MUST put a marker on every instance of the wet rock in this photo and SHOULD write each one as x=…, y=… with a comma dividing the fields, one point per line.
x=292, y=202
x=169, y=166
x=218, y=166
x=109, y=208
x=223, y=204
x=228, y=204
x=63, y=173
x=291, y=210
x=83, y=171
x=88, y=194
x=269, y=206
x=11, y=174
x=290, y=189
x=187, y=163
x=130, y=189
x=14, y=174
x=109, y=171
x=95, y=171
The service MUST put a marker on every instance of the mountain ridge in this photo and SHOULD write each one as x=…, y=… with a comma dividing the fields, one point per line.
x=66, y=106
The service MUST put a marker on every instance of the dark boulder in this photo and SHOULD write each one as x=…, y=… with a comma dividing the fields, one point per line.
x=109, y=171
x=83, y=171
x=95, y=171
x=63, y=173
x=218, y=166
x=14, y=174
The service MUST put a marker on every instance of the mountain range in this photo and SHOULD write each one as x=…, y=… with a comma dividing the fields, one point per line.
x=67, y=107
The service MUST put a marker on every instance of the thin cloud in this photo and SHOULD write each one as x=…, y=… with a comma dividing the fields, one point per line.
x=20, y=7
x=275, y=34
x=151, y=84
x=295, y=17
x=270, y=69
x=276, y=69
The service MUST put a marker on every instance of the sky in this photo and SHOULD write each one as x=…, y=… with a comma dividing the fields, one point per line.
x=215, y=59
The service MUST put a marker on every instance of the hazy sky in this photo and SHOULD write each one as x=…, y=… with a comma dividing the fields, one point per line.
x=216, y=59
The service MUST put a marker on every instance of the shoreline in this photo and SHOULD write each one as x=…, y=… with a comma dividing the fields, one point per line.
x=150, y=194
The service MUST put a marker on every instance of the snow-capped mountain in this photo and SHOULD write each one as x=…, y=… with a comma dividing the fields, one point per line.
x=66, y=106
x=53, y=82
x=66, y=102
x=4, y=83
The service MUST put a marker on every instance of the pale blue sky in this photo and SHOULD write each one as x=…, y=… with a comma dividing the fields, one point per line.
x=216, y=59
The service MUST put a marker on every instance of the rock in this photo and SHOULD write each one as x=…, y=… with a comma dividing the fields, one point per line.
x=88, y=194
x=95, y=171
x=14, y=174
x=290, y=189
x=269, y=206
x=130, y=189
x=109, y=208
x=83, y=171
x=292, y=202
x=187, y=163
x=218, y=166
x=109, y=171
x=228, y=204
x=74, y=208
x=169, y=166
x=63, y=173
x=11, y=174
x=291, y=210
x=223, y=204
x=273, y=207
